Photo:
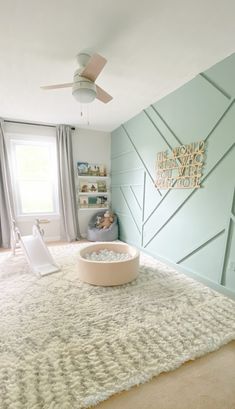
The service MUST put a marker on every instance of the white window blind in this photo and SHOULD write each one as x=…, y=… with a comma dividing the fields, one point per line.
x=34, y=175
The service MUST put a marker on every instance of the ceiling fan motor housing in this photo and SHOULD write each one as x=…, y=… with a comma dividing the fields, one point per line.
x=84, y=90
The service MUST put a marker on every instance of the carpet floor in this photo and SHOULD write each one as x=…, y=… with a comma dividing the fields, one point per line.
x=206, y=383
x=65, y=344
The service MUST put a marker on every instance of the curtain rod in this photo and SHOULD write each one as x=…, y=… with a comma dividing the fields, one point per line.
x=32, y=123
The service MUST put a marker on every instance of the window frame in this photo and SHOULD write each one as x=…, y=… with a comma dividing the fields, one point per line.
x=14, y=140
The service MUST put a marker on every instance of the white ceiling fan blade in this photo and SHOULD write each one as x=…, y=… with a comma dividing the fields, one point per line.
x=94, y=66
x=102, y=95
x=57, y=86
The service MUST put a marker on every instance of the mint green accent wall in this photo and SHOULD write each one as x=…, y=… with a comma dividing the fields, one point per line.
x=192, y=228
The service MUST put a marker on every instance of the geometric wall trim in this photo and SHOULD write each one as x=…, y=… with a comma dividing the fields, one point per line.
x=198, y=248
x=228, y=241
x=193, y=228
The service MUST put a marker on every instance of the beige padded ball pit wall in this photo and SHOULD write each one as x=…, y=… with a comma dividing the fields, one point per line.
x=108, y=273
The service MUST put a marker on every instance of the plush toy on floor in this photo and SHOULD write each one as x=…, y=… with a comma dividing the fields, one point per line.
x=102, y=228
x=105, y=221
x=98, y=221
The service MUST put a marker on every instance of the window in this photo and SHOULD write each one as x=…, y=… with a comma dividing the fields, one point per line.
x=34, y=175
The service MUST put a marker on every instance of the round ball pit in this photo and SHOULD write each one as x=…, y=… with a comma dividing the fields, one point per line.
x=108, y=273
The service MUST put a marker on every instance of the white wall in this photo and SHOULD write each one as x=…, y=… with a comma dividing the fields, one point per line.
x=93, y=147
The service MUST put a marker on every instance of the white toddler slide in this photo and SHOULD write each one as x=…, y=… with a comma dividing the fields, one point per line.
x=36, y=251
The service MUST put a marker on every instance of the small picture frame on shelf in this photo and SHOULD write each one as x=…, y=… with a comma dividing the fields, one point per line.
x=93, y=169
x=102, y=201
x=82, y=168
x=83, y=200
x=101, y=186
x=92, y=201
x=92, y=187
x=84, y=188
x=102, y=170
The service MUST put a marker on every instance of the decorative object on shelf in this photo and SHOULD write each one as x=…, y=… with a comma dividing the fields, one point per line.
x=92, y=201
x=102, y=187
x=82, y=168
x=84, y=187
x=102, y=170
x=89, y=199
x=95, y=169
x=102, y=201
x=182, y=169
x=83, y=200
x=91, y=169
x=92, y=187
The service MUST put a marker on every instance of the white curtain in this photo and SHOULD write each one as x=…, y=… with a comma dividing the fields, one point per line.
x=67, y=196
x=6, y=199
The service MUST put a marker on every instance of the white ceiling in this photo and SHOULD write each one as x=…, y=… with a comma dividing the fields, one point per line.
x=152, y=48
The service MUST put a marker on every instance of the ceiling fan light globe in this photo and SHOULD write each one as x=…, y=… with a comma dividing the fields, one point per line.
x=84, y=91
x=82, y=59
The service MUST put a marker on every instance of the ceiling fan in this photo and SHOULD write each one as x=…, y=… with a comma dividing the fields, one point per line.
x=83, y=86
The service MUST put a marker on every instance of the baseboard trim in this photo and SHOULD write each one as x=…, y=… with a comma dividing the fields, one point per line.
x=190, y=273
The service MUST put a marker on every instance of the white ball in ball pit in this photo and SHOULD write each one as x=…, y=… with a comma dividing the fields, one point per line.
x=104, y=272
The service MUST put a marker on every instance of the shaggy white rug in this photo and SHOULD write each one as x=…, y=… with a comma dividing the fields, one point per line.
x=65, y=345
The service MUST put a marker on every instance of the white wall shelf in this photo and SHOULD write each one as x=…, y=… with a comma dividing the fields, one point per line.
x=93, y=193
x=93, y=208
x=90, y=194
x=92, y=177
